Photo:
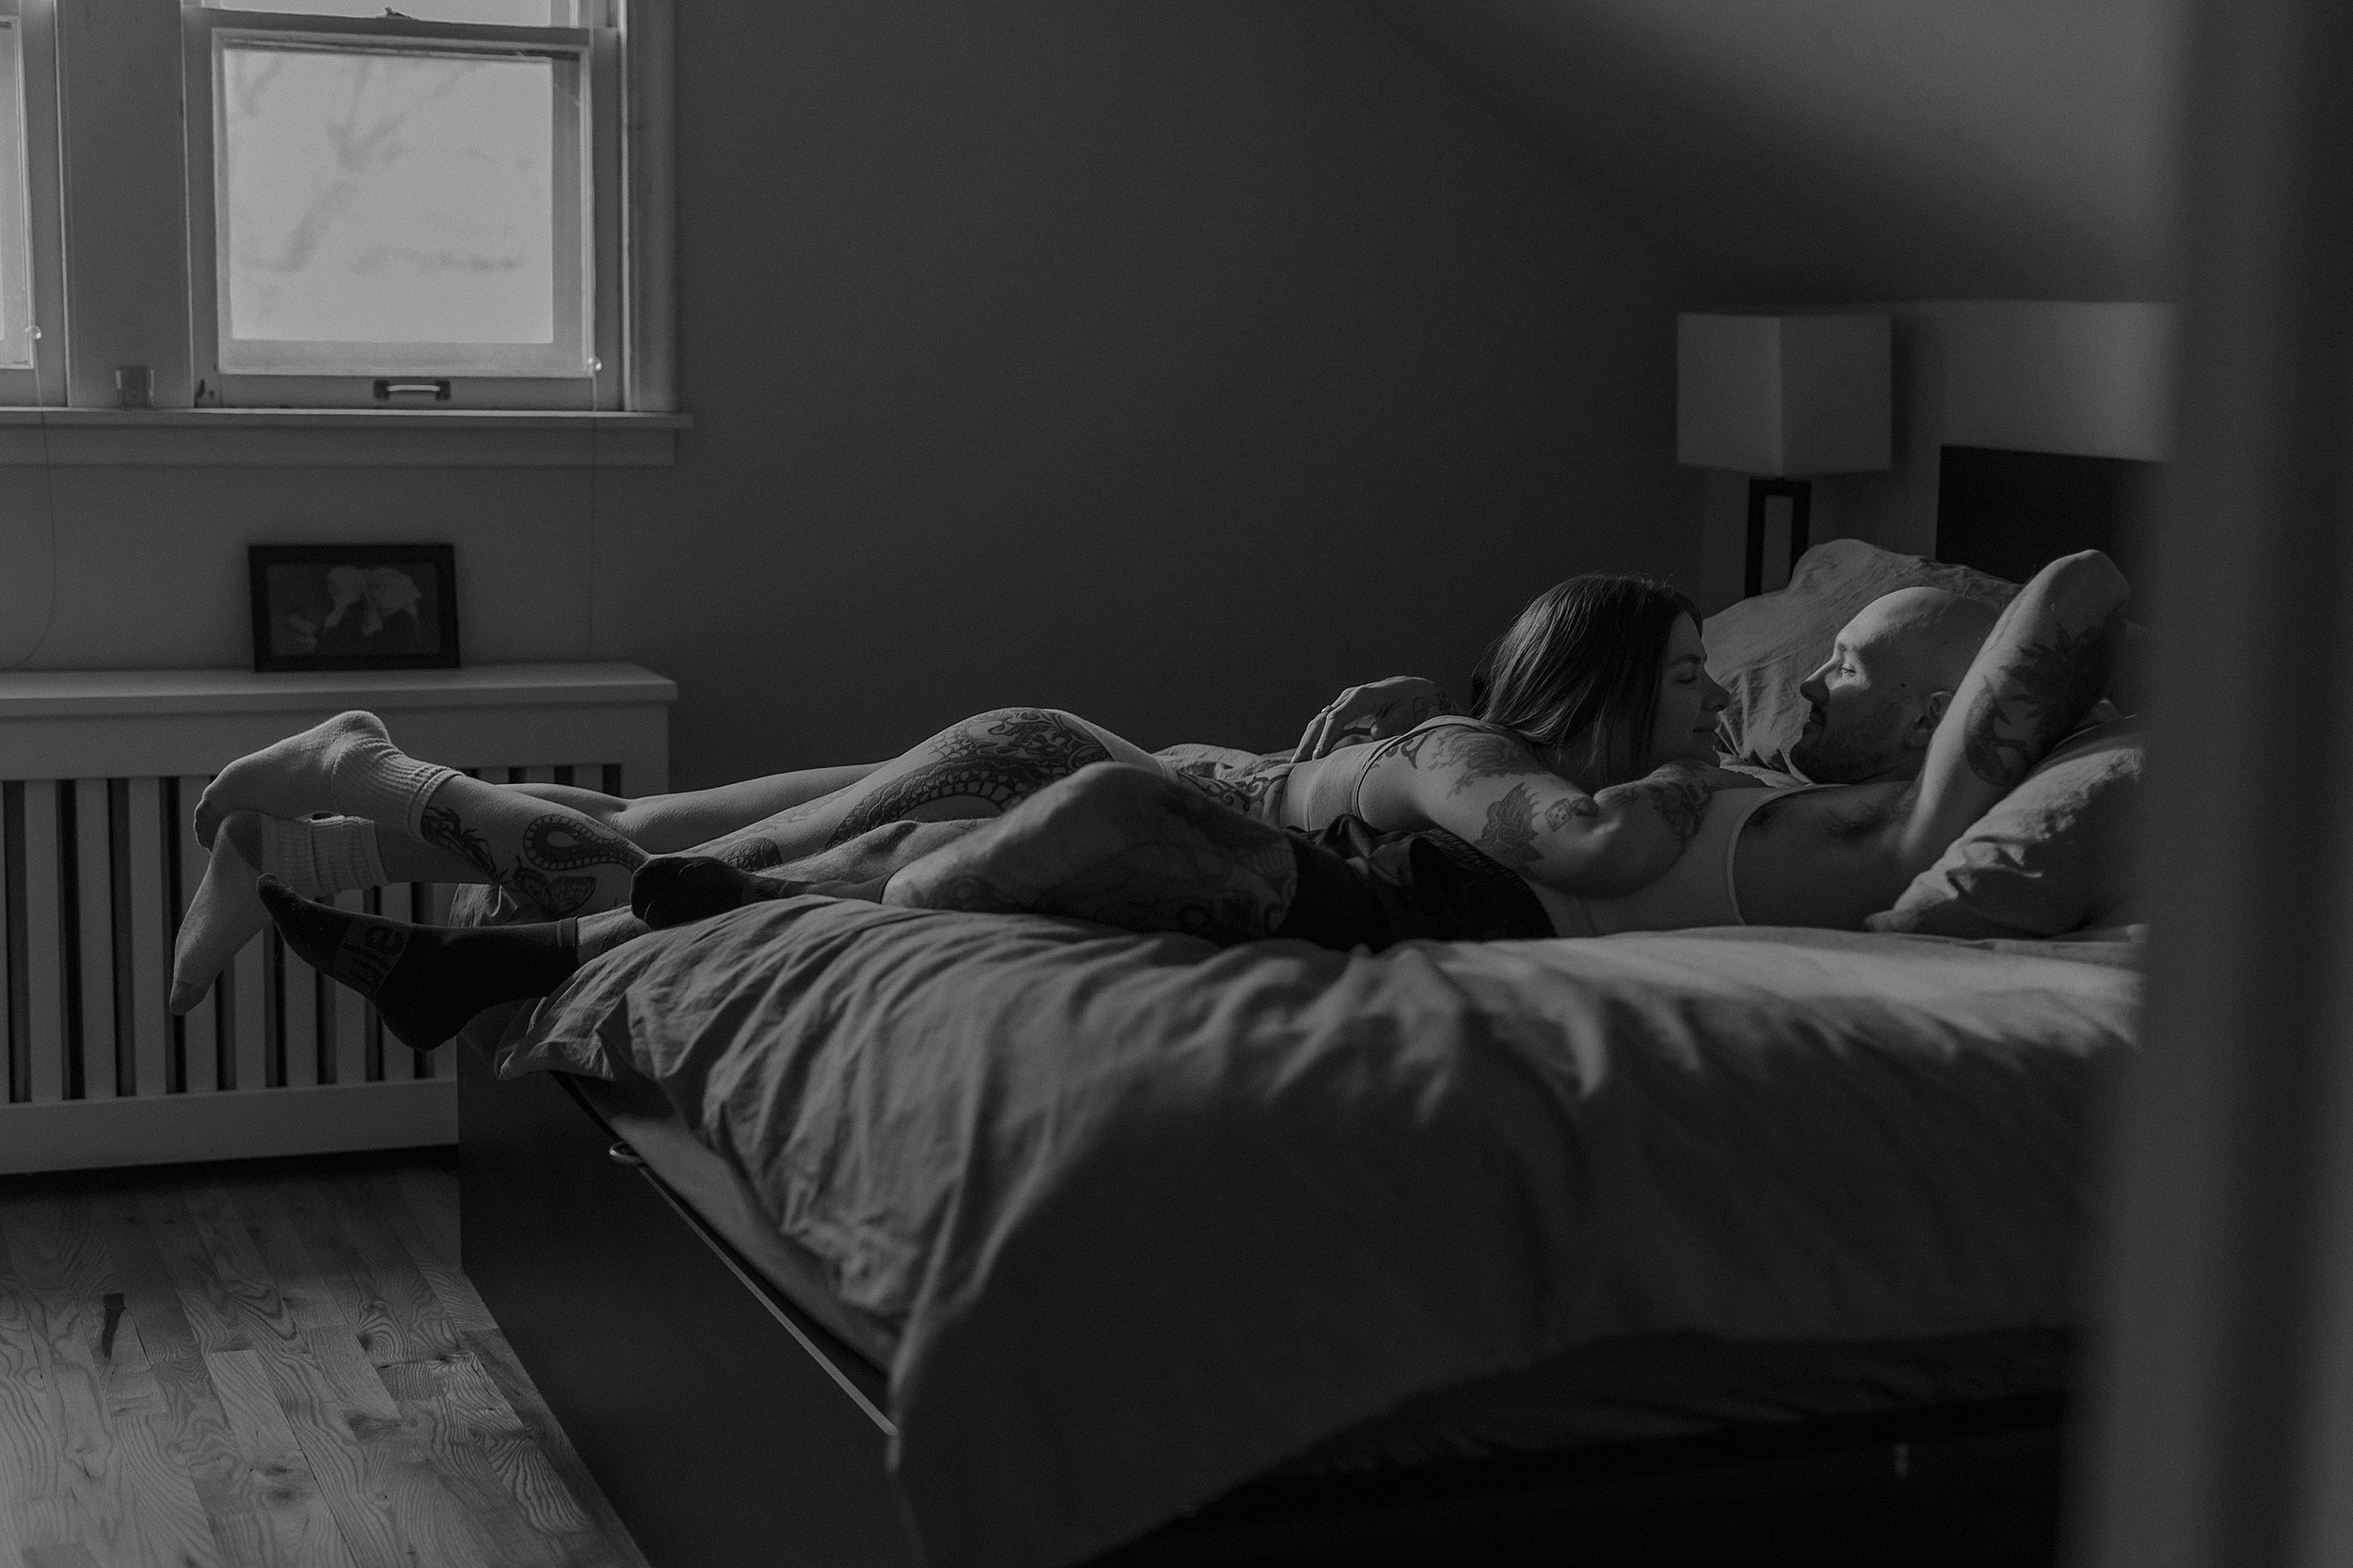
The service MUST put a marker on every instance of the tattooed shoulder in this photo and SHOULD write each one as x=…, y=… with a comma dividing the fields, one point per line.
x=1677, y=794
x=1473, y=754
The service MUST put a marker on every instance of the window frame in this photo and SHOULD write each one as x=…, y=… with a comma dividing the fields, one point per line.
x=43, y=382
x=604, y=180
x=108, y=170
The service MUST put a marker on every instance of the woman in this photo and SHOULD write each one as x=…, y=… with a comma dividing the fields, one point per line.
x=1598, y=682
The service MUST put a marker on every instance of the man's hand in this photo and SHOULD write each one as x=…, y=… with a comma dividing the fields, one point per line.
x=1374, y=712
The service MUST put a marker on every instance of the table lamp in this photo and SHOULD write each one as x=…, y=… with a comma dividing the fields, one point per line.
x=1785, y=400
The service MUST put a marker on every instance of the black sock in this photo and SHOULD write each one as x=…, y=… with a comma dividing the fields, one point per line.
x=672, y=890
x=425, y=981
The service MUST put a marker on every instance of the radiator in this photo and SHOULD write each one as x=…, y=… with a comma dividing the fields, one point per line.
x=95, y=874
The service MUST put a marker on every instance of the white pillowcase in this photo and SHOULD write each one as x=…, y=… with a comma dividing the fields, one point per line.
x=2053, y=857
x=1762, y=647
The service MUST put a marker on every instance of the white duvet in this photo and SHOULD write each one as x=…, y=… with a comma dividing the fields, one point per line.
x=1149, y=1218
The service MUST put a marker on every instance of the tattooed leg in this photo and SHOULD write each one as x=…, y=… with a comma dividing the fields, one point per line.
x=1121, y=845
x=977, y=768
x=554, y=860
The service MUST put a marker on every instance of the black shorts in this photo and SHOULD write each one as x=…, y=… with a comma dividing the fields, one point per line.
x=1361, y=889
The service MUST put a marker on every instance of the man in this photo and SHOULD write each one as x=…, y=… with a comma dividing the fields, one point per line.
x=1127, y=846
x=1876, y=700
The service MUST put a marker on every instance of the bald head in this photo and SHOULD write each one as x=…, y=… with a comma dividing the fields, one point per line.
x=1889, y=678
x=1927, y=634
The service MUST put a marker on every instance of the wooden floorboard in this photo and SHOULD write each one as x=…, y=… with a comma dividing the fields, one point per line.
x=273, y=1363
x=112, y=1488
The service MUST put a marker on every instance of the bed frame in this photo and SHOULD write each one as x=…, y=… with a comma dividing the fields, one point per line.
x=728, y=1427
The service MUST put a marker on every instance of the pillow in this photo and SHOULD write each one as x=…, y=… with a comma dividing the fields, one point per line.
x=2055, y=856
x=1761, y=648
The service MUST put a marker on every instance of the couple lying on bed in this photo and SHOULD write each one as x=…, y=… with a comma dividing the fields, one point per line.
x=1582, y=799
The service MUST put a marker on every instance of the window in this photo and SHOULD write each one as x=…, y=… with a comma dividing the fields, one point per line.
x=436, y=203
x=28, y=223
x=17, y=331
x=397, y=202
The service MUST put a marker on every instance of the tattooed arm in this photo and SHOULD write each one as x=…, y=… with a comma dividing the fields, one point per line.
x=1493, y=789
x=2043, y=667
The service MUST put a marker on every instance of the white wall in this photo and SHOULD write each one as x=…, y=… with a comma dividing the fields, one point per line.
x=2034, y=375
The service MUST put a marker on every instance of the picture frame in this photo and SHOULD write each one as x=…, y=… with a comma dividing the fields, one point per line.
x=353, y=606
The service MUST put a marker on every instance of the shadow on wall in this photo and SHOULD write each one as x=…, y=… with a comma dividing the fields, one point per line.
x=1174, y=365
x=1848, y=149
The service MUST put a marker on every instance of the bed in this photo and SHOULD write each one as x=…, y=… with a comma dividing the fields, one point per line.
x=1859, y=1159
x=835, y=1234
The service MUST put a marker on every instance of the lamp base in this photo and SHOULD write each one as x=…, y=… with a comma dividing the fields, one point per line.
x=1799, y=493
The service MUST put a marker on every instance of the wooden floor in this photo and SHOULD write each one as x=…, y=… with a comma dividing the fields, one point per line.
x=269, y=1361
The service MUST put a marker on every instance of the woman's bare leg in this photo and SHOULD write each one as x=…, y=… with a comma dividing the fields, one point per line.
x=562, y=862
x=348, y=765
x=555, y=860
x=977, y=768
x=677, y=823
x=565, y=863
x=286, y=781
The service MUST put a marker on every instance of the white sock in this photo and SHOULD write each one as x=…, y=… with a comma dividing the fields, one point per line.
x=321, y=856
x=388, y=785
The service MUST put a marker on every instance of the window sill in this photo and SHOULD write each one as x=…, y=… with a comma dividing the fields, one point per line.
x=338, y=437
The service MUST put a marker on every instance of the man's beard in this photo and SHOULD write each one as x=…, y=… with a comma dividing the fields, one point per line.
x=1852, y=753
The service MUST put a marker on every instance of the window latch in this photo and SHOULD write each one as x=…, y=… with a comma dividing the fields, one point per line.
x=386, y=391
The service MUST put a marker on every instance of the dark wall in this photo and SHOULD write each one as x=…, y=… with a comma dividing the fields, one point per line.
x=1172, y=363
x=1816, y=151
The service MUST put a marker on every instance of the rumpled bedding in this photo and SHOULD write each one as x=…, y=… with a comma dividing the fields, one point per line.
x=1151, y=1218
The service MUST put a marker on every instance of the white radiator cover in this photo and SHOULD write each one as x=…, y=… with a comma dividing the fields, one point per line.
x=99, y=773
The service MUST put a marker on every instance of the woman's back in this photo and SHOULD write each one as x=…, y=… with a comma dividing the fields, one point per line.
x=1321, y=791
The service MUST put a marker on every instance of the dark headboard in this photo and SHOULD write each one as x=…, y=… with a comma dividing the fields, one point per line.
x=2009, y=512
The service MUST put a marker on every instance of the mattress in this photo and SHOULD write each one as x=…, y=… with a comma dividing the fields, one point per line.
x=1143, y=1219
x=1619, y=1390
x=640, y=1116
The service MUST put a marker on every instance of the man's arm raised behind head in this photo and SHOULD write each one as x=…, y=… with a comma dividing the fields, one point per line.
x=2043, y=667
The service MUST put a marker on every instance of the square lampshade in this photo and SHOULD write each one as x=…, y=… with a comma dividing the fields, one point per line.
x=1782, y=398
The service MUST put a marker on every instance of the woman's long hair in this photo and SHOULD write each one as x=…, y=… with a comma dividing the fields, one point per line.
x=1576, y=675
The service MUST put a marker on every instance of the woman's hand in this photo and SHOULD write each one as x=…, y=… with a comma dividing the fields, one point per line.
x=1374, y=712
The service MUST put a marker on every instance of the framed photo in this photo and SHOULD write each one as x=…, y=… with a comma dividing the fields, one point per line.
x=354, y=606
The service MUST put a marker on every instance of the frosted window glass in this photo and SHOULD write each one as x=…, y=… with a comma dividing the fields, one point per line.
x=16, y=248
x=382, y=197
x=499, y=13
